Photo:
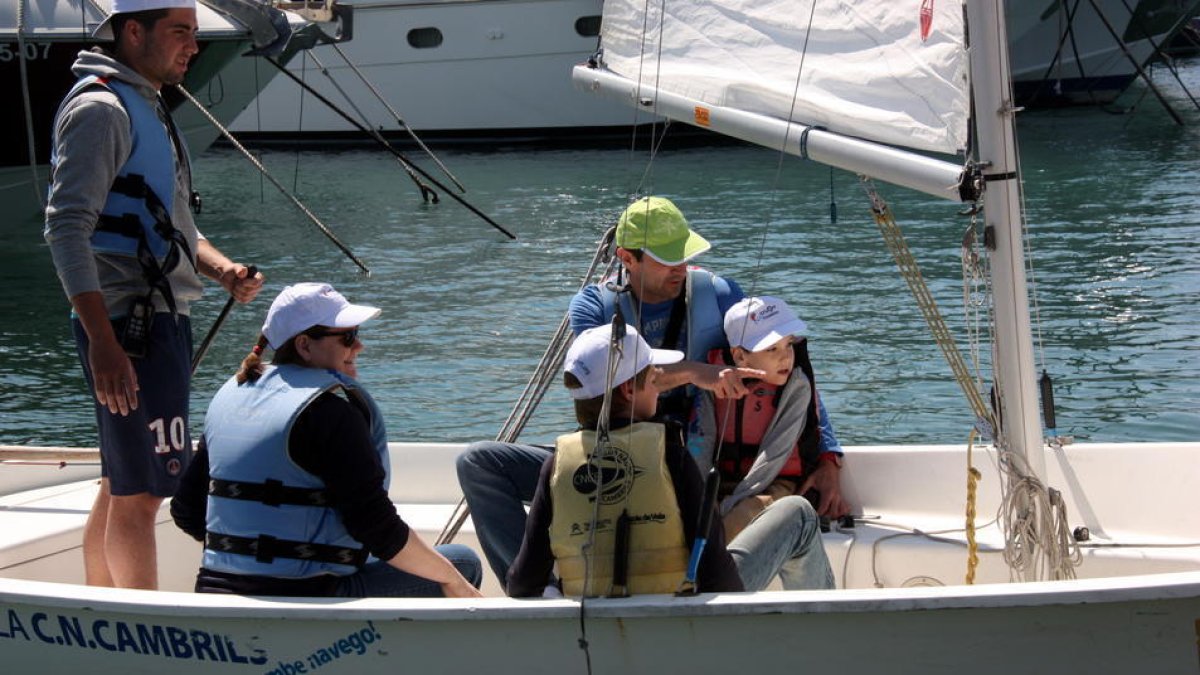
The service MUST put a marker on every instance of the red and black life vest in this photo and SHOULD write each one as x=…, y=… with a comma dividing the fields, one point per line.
x=750, y=415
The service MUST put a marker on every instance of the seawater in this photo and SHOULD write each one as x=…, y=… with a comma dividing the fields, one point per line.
x=1112, y=211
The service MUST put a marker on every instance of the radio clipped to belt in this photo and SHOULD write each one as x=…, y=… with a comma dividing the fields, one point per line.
x=135, y=338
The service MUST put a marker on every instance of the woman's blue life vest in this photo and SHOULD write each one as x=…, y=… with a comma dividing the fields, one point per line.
x=266, y=515
x=138, y=207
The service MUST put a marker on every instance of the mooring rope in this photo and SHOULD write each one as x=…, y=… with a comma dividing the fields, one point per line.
x=428, y=194
x=395, y=115
x=911, y=272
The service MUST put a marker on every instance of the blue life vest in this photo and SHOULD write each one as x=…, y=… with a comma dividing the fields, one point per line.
x=705, y=321
x=266, y=515
x=151, y=165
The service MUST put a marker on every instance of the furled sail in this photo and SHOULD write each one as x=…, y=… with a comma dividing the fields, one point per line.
x=891, y=71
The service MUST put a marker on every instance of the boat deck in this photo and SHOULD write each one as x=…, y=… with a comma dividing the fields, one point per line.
x=905, y=537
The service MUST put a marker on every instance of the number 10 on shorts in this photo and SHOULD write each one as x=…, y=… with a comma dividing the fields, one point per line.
x=175, y=430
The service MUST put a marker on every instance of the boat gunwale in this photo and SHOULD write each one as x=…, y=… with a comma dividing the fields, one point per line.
x=1139, y=588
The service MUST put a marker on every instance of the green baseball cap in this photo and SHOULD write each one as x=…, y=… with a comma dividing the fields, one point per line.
x=655, y=225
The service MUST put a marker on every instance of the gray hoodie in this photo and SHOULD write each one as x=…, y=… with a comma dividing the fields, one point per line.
x=778, y=441
x=92, y=141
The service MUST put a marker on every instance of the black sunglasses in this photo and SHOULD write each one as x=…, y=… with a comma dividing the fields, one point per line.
x=348, y=336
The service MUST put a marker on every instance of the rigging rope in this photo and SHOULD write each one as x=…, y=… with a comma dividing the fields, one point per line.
x=263, y=171
x=539, y=381
x=1038, y=542
x=655, y=136
x=977, y=293
x=911, y=272
x=1028, y=536
x=601, y=450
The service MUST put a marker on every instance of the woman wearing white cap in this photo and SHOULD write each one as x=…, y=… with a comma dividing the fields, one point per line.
x=294, y=462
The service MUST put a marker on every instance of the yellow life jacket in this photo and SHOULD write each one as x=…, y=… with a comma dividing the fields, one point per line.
x=635, y=480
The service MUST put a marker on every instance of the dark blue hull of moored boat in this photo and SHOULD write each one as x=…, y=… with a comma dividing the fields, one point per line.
x=1059, y=93
x=47, y=78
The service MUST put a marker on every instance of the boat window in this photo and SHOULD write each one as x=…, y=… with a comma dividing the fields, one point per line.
x=425, y=38
x=588, y=26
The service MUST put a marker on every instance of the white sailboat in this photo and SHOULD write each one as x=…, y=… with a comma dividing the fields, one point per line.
x=902, y=604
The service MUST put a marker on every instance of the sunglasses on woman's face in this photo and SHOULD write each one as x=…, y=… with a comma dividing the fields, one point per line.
x=348, y=336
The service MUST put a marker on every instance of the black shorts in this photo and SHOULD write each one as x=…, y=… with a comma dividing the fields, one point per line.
x=147, y=451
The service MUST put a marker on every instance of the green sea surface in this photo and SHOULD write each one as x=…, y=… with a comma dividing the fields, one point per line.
x=1114, y=238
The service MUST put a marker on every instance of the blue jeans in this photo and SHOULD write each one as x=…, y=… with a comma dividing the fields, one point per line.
x=784, y=539
x=497, y=480
x=377, y=579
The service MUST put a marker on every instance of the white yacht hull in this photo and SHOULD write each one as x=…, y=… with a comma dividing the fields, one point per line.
x=1056, y=62
x=502, y=69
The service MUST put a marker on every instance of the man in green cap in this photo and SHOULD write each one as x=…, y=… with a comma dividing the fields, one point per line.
x=673, y=307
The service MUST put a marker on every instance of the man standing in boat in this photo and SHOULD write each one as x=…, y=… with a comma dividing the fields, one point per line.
x=673, y=307
x=122, y=237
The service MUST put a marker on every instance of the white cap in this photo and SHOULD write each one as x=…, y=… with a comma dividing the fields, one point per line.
x=587, y=359
x=302, y=306
x=758, y=323
x=104, y=30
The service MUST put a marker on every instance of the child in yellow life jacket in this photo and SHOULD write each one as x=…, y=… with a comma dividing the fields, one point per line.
x=766, y=446
x=633, y=502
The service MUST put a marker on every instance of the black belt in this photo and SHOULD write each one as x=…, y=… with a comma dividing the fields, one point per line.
x=265, y=549
x=270, y=492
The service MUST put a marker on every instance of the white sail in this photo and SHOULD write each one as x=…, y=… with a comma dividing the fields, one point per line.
x=891, y=71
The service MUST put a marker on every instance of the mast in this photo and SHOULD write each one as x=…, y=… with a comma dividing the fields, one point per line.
x=1016, y=380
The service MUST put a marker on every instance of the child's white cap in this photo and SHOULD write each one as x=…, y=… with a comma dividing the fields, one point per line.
x=587, y=359
x=757, y=323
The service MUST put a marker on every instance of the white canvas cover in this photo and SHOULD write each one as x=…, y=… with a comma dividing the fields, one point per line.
x=893, y=71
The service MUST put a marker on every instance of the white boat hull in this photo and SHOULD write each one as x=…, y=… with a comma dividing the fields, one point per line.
x=1147, y=625
x=902, y=605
